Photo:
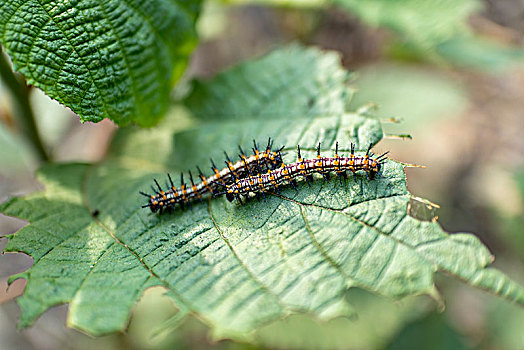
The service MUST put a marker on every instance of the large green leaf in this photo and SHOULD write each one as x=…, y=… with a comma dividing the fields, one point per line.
x=236, y=267
x=111, y=59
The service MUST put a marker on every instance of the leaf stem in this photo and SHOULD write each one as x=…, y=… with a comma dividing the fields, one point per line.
x=24, y=112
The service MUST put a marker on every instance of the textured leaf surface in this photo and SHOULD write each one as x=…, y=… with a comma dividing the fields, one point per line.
x=235, y=266
x=111, y=59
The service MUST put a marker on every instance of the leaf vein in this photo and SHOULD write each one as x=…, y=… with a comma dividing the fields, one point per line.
x=79, y=56
x=363, y=253
x=320, y=249
x=241, y=263
x=123, y=52
x=8, y=19
x=387, y=263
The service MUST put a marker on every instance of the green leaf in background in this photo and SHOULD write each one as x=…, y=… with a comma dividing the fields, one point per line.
x=422, y=23
x=432, y=333
x=512, y=220
x=15, y=156
x=378, y=321
x=436, y=30
x=103, y=59
x=420, y=96
x=505, y=325
x=237, y=267
x=294, y=83
x=480, y=53
x=289, y=3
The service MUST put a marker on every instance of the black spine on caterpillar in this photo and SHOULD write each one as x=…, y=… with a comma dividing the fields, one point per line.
x=166, y=200
x=305, y=168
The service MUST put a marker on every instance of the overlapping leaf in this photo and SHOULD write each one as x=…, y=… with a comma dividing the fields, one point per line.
x=103, y=59
x=237, y=266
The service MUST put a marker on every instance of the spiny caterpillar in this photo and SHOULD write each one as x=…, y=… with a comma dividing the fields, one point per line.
x=305, y=168
x=257, y=163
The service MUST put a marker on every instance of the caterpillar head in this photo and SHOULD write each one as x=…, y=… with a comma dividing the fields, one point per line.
x=154, y=204
x=374, y=169
x=230, y=196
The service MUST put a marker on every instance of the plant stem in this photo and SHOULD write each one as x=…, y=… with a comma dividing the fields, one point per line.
x=24, y=112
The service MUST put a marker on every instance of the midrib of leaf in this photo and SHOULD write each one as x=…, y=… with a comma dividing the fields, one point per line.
x=158, y=34
x=89, y=209
x=123, y=52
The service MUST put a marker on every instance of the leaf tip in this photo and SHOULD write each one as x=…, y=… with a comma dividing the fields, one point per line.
x=220, y=333
x=22, y=275
x=437, y=297
x=338, y=308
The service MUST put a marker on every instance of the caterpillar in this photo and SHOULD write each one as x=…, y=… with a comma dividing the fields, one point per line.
x=305, y=168
x=257, y=163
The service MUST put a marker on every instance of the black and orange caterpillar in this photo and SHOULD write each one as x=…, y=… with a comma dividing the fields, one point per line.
x=257, y=163
x=305, y=168
x=260, y=173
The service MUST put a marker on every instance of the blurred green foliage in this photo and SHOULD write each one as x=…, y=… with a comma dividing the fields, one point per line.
x=422, y=23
